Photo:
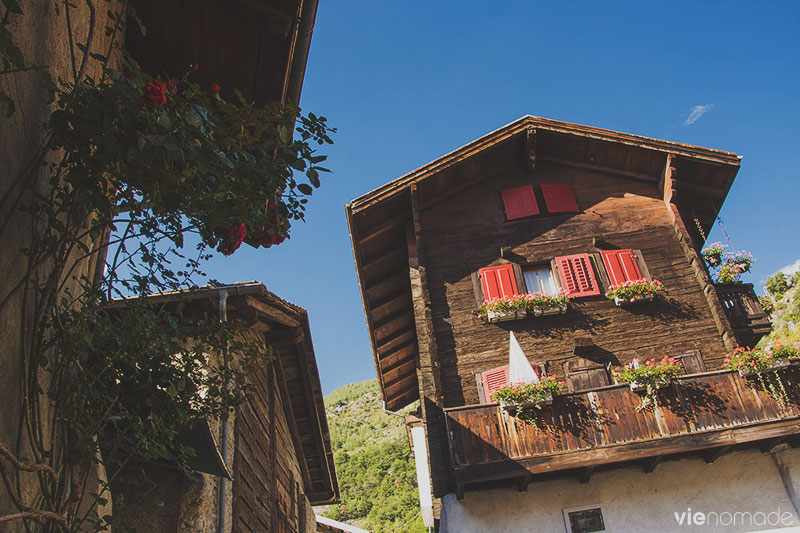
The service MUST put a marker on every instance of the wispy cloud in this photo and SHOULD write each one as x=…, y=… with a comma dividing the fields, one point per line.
x=791, y=269
x=697, y=112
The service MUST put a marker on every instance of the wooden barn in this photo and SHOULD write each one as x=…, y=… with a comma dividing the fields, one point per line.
x=546, y=206
x=271, y=461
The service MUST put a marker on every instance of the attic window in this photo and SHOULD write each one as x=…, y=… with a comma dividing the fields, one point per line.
x=520, y=202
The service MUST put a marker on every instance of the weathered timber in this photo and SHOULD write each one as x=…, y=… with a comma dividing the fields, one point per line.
x=584, y=430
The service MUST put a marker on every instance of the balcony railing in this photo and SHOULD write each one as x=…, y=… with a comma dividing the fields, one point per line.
x=747, y=317
x=702, y=412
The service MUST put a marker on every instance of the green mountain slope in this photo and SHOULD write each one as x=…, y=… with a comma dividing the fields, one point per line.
x=376, y=472
x=783, y=293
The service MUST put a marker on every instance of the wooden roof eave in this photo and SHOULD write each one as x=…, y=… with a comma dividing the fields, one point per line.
x=395, y=187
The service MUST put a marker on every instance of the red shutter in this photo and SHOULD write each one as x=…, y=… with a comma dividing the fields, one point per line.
x=559, y=198
x=493, y=379
x=498, y=281
x=520, y=202
x=577, y=276
x=621, y=266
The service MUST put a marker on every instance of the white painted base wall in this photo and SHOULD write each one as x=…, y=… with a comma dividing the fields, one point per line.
x=742, y=481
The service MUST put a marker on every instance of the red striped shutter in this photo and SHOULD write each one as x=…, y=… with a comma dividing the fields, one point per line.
x=520, y=202
x=559, y=198
x=492, y=380
x=498, y=281
x=577, y=275
x=621, y=266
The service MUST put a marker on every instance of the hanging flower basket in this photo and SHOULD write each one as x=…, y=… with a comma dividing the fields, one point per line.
x=647, y=378
x=512, y=405
x=641, y=386
x=631, y=292
x=713, y=253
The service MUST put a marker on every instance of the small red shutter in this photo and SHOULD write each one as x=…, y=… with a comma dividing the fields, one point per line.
x=520, y=202
x=559, y=198
x=577, y=276
x=493, y=379
x=621, y=266
x=498, y=281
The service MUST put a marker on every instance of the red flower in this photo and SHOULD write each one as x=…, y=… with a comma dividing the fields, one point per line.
x=155, y=94
x=268, y=239
x=215, y=88
x=230, y=237
x=173, y=84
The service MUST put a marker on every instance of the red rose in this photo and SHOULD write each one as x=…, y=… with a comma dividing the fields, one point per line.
x=215, y=88
x=230, y=237
x=173, y=85
x=155, y=94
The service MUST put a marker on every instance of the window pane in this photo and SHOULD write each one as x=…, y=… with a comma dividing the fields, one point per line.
x=539, y=280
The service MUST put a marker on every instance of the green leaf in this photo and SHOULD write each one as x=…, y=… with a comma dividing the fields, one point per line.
x=305, y=188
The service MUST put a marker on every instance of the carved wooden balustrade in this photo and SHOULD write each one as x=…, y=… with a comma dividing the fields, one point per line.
x=747, y=317
x=707, y=412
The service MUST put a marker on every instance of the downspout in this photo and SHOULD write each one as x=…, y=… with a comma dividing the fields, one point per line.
x=223, y=481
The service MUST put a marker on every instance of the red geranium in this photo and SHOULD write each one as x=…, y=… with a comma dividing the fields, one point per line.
x=215, y=88
x=155, y=94
x=230, y=237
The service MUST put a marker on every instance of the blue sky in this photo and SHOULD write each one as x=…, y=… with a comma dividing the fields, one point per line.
x=406, y=82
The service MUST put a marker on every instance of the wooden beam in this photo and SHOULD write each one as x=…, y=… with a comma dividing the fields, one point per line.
x=665, y=182
x=585, y=474
x=530, y=149
x=638, y=176
x=270, y=312
x=651, y=464
x=699, y=189
x=384, y=226
x=522, y=483
x=459, y=491
x=794, y=441
x=715, y=453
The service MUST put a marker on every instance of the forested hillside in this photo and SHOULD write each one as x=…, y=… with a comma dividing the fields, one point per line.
x=376, y=472
x=783, y=296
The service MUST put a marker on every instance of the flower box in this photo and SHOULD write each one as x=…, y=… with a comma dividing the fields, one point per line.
x=494, y=317
x=546, y=311
x=619, y=301
x=642, y=387
x=546, y=399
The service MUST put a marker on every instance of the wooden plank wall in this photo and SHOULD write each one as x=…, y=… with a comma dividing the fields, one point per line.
x=268, y=491
x=611, y=416
x=466, y=232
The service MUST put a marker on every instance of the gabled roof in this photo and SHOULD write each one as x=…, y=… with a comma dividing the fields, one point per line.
x=296, y=368
x=379, y=220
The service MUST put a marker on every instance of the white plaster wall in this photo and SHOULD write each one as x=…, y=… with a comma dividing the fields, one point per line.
x=634, y=501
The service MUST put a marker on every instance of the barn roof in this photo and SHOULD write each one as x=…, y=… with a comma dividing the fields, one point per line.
x=382, y=220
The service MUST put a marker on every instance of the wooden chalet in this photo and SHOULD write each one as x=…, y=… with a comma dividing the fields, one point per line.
x=543, y=205
x=277, y=457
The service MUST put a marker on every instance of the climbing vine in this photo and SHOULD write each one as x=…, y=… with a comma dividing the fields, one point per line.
x=140, y=178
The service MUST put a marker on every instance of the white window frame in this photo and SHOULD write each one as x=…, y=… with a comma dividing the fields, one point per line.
x=566, y=512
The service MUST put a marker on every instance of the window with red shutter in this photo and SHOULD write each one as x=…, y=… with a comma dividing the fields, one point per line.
x=577, y=275
x=559, y=198
x=492, y=380
x=621, y=266
x=520, y=202
x=498, y=281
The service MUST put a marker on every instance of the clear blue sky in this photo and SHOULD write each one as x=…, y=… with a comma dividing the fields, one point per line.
x=407, y=82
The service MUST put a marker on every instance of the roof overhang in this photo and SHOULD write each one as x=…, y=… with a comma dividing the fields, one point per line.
x=380, y=220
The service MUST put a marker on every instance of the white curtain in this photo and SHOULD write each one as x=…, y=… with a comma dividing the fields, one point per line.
x=519, y=368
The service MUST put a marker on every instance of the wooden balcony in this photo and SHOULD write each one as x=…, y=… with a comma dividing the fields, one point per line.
x=747, y=317
x=579, y=432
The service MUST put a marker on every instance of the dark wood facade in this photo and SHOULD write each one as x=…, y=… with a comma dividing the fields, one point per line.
x=280, y=458
x=421, y=240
